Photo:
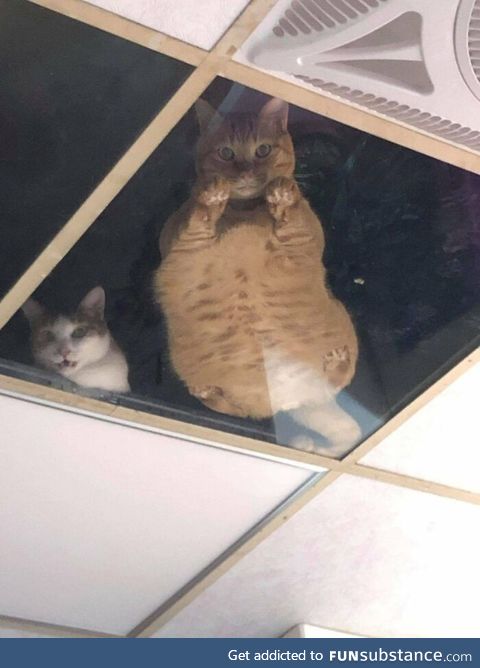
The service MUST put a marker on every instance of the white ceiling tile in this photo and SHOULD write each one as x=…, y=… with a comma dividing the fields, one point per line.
x=365, y=557
x=101, y=523
x=199, y=23
x=18, y=632
x=310, y=631
x=441, y=441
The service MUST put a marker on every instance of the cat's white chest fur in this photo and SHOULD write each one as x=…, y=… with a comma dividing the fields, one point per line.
x=292, y=383
x=109, y=373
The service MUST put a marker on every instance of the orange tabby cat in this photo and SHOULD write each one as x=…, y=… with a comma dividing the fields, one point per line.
x=252, y=327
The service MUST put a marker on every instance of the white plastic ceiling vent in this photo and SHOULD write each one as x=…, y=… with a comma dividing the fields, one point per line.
x=415, y=60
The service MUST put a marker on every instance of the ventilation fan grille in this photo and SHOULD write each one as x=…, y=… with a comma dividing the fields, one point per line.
x=389, y=56
x=306, y=16
x=474, y=39
x=402, y=112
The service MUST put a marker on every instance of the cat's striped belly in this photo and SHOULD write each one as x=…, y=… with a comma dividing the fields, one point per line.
x=248, y=328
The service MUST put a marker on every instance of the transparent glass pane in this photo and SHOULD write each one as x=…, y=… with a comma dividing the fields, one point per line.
x=276, y=357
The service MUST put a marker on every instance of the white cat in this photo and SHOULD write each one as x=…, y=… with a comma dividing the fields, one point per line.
x=79, y=347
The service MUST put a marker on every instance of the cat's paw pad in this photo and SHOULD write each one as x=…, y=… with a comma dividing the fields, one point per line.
x=205, y=391
x=336, y=357
x=282, y=192
x=214, y=193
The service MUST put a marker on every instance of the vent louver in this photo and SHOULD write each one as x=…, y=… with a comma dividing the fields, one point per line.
x=305, y=16
x=474, y=39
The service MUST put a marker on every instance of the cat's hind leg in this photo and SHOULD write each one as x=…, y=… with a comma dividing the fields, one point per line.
x=328, y=419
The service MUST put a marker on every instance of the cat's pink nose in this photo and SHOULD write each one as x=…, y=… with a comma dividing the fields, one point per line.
x=65, y=351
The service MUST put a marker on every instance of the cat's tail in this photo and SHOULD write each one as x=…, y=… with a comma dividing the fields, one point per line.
x=330, y=421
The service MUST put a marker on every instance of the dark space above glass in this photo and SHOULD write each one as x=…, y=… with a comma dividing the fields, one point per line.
x=72, y=100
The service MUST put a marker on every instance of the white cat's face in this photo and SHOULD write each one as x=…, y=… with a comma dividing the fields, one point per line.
x=67, y=345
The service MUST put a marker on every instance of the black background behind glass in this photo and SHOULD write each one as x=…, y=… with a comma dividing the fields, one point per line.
x=72, y=100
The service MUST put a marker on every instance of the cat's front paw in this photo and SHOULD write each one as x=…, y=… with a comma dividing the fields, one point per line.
x=281, y=193
x=214, y=192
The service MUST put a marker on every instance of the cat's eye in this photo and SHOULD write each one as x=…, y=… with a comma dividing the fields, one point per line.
x=226, y=153
x=263, y=150
x=79, y=333
x=49, y=337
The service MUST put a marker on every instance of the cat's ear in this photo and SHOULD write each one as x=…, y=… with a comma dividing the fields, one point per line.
x=207, y=116
x=33, y=310
x=275, y=111
x=93, y=304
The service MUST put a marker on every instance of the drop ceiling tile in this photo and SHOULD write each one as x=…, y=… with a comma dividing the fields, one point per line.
x=18, y=632
x=101, y=523
x=441, y=441
x=72, y=100
x=199, y=23
x=365, y=557
x=310, y=631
